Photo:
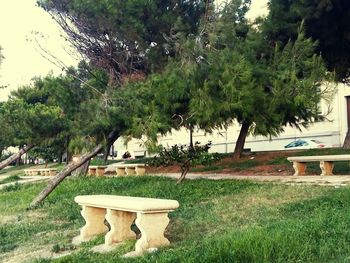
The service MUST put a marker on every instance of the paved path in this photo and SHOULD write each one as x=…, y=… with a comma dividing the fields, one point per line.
x=26, y=179
x=334, y=180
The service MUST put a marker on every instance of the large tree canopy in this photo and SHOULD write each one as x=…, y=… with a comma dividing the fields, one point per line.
x=126, y=37
x=326, y=21
x=232, y=73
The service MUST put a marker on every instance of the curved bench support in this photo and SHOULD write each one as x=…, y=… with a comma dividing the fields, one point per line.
x=152, y=227
x=94, y=218
x=299, y=168
x=120, y=222
x=326, y=168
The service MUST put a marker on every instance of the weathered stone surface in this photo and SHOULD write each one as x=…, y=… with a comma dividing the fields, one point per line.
x=120, y=212
x=326, y=162
x=131, y=169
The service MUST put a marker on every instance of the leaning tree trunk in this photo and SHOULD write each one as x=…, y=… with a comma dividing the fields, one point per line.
x=70, y=168
x=241, y=139
x=82, y=170
x=63, y=174
x=16, y=156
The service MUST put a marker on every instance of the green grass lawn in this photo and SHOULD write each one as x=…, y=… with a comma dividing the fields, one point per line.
x=217, y=221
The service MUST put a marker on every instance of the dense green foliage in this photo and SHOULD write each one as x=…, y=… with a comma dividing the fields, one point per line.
x=230, y=72
x=29, y=123
x=326, y=21
x=126, y=37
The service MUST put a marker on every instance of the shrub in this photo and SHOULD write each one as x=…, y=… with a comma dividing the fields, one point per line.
x=185, y=157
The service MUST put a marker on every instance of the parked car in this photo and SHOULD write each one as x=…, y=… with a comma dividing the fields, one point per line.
x=305, y=144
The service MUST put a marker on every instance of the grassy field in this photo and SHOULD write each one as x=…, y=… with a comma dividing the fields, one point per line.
x=217, y=221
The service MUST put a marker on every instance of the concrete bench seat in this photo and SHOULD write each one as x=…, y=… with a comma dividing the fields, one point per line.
x=131, y=169
x=41, y=171
x=120, y=211
x=98, y=170
x=326, y=162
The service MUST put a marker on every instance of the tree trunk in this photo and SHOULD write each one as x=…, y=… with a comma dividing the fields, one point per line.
x=16, y=156
x=63, y=174
x=241, y=139
x=112, y=137
x=67, y=151
x=70, y=168
x=106, y=153
x=82, y=170
x=184, y=171
x=191, y=137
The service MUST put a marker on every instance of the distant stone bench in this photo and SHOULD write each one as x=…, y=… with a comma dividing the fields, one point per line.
x=41, y=171
x=120, y=212
x=131, y=169
x=326, y=162
x=98, y=170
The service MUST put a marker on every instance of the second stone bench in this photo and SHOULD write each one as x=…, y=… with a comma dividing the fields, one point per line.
x=131, y=169
x=41, y=171
x=98, y=170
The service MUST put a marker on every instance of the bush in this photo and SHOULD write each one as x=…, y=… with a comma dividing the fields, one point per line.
x=185, y=157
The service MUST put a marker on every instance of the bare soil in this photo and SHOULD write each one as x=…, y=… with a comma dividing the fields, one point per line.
x=261, y=168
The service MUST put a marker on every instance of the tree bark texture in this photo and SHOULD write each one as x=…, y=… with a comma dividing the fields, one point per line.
x=16, y=156
x=63, y=174
x=82, y=170
x=241, y=139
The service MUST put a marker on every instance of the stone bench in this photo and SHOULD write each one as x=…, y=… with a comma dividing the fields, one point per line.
x=326, y=162
x=42, y=171
x=120, y=211
x=131, y=169
x=98, y=170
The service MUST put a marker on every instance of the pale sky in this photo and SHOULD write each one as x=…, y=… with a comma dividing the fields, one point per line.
x=19, y=19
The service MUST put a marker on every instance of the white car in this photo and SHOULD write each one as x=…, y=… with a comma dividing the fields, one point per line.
x=305, y=144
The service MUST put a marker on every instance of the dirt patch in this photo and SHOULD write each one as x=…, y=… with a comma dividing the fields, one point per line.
x=259, y=166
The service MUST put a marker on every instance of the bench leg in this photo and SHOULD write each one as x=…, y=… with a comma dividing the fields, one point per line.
x=120, y=223
x=100, y=171
x=140, y=170
x=326, y=168
x=92, y=172
x=52, y=173
x=299, y=168
x=130, y=170
x=152, y=227
x=120, y=171
x=94, y=218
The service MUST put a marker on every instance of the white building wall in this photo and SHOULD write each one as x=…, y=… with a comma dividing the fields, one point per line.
x=331, y=131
